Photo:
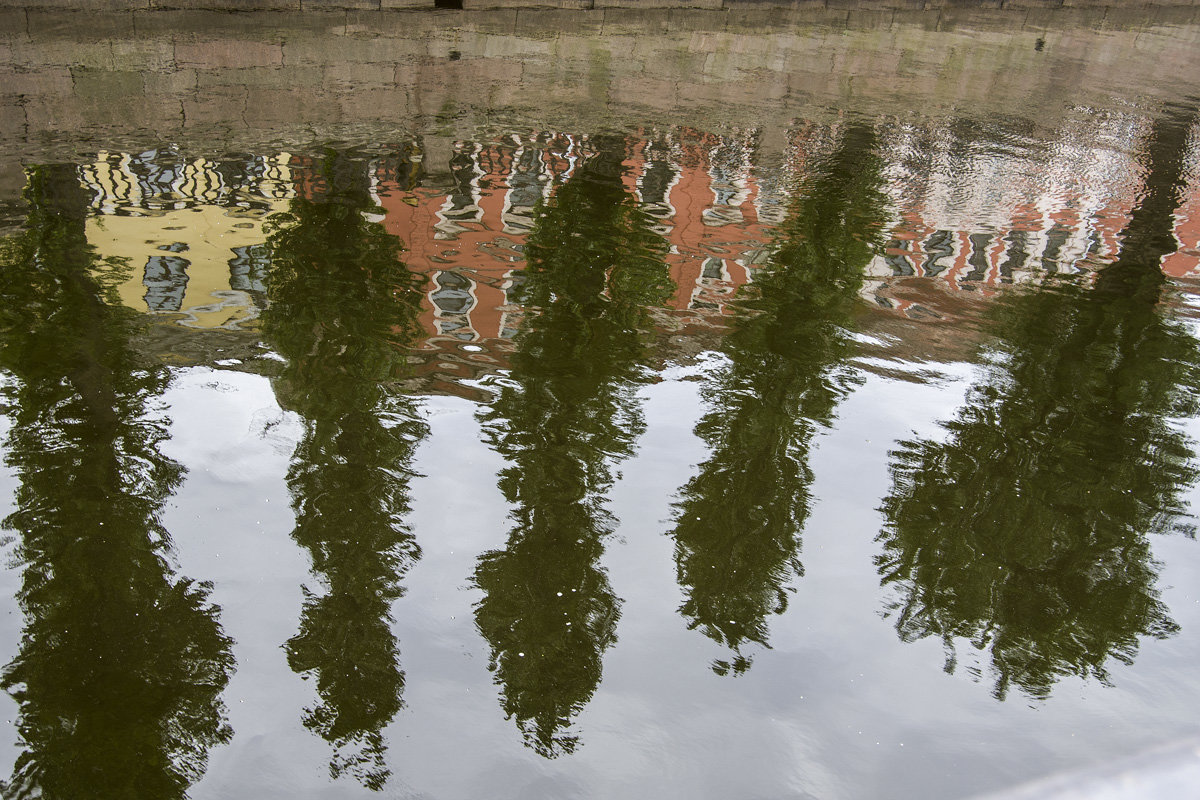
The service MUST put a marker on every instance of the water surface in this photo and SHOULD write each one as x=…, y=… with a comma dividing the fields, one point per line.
x=846, y=453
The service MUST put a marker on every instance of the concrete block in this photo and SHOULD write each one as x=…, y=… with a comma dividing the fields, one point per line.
x=212, y=54
x=12, y=175
x=81, y=6
x=12, y=22
x=278, y=77
x=692, y=20
x=640, y=21
x=355, y=75
x=61, y=52
x=324, y=50
x=268, y=107
x=561, y=21
x=372, y=105
x=105, y=86
x=143, y=54
x=215, y=105
x=494, y=20
x=385, y=22
x=328, y=5
x=228, y=5
x=869, y=19
x=195, y=25
x=660, y=4
x=123, y=111
x=43, y=81
x=169, y=82
x=51, y=113
x=921, y=20
x=77, y=25
x=574, y=5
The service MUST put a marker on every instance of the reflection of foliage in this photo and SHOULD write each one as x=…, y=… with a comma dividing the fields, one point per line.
x=567, y=412
x=1024, y=532
x=344, y=312
x=739, y=520
x=121, y=665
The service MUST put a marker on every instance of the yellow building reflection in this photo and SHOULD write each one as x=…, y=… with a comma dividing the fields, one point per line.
x=191, y=232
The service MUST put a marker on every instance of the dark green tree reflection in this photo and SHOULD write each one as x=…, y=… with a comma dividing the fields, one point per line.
x=564, y=417
x=344, y=312
x=122, y=663
x=737, y=532
x=1024, y=532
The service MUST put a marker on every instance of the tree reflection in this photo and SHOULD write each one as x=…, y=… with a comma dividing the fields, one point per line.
x=738, y=522
x=564, y=417
x=344, y=312
x=122, y=663
x=1024, y=533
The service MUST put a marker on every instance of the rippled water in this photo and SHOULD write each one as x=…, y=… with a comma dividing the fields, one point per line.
x=850, y=455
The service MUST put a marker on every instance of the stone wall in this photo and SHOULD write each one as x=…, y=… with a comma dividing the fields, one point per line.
x=77, y=82
x=578, y=5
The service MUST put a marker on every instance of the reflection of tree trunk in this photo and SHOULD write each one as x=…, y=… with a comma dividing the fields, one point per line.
x=344, y=313
x=738, y=522
x=1025, y=531
x=121, y=663
x=1149, y=236
x=61, y=196
x=567, y=415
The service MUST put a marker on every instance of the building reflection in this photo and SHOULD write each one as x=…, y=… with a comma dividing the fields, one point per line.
x=1025, y=532
x=739, y=520
x=343, y=313
x=190, y=230
x=122, y=661
x=973, y=209
x=564, y=415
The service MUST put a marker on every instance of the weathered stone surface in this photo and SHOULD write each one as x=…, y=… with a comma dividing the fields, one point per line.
x=49, y=113
x=317, y=6
x=188, y=71
x=200, y=24
x=358, y=75
x=228, y=5
x=326, y=5
x=576, y=5
x=44, y=81
x=12, y=123
x=88, y=6
x=351, y=49
x=217, y=104
x=172, y=82
x=104, y=86
x=706, y=4
x=381, y=105
x=13, y=22
x=80, y=25
x=215, y=53
x=59, y=52
x=559, y=21
x=267, y=107
x=142, y=54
